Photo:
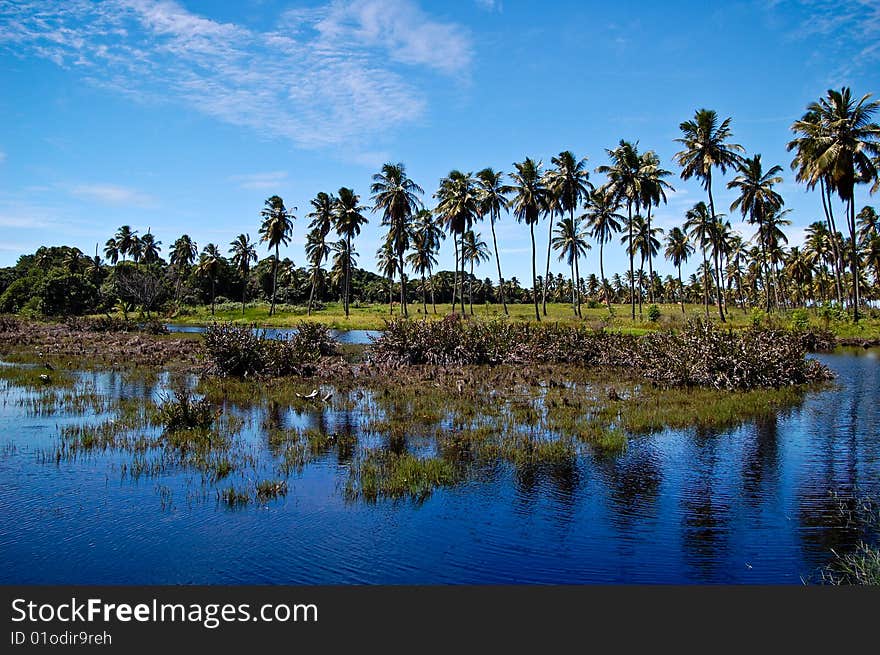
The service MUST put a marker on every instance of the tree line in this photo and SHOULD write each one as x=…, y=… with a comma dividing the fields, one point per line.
x=835, y=146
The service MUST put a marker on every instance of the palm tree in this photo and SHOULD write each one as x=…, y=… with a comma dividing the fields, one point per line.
x=769, y=237
x=624, y=185
x=209, y=262
x=426, y=236
x=473, y=251
x=868, y=221
x=125, y=239
x=387, y=265
x=531, y=199
x=183, y=254
x=699, y=226
x=396, y=195
x=678, y=251
x=840, y=145
x=111, y=250
x=571, y=242
x=136, y=249
x=317, y=249
x=603, y=222
x=492, y=199
x=706, y=147
x=568, y=183
x=457, y=207
x=243, y=253
x=150, y=247
x=652, y=189
x=276, y=229
x=343, y=263
x=646, y=244
x=348, y=220
x=757, y=198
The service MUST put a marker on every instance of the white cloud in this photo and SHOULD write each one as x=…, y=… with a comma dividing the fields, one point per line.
x=270, y=180
x=110, y=194
x=490, y=5
x=329, y=76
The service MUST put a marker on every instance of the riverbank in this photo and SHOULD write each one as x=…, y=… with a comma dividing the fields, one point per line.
x=618, y=318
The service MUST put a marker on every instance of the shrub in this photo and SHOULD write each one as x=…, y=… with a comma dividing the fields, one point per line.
x=185, y=412
x=800, y=319
x=757, y=317
x=653, y=313
x=240, y=351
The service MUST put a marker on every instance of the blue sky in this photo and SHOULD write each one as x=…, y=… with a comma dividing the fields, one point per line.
x=185, y=116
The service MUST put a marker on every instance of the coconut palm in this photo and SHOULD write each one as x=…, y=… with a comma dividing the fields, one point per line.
x=706, y=147
x=183, y=254
x=276, y=229
x=645, y=243
x=840, y=145
x=209, y=263
x=491, y=193
x=317, y=249
x=458, y=204
x=150, y=247
x=387, y=265
x=568, y=183
x=111, y=250
x=678, y=251
x=531, y=199
x=344, y=261
x=868, y=222
x=125, y=239
x=243, y=254
x=426, y=237
x=571, y=242
x=699, y=227
x=136, y=249
x=757, y=198
x=473, y=251
x=652, y=191
x=624, y=185
x=603, y=222
x=770, y=237
x=397, y=197
x=348, y=219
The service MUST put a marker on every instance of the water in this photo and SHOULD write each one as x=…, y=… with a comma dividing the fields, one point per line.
x=747, y=505
x=342, y=336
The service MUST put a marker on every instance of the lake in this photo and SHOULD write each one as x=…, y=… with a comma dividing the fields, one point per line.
x=752, y=504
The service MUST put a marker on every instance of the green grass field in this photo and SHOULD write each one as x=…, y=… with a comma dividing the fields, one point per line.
x=373, y=317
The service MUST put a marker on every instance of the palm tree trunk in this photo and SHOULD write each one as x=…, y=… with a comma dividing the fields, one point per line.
x=461, y=289
x=312, y=294
x=632, y=274
x=680, y=289
x=573, y=290
x=402, y=281
x=455, y=275
x=641, y=284
x=213, y=295
x=433, y=303
x=424, y=296
x=534, y=274
x=650, y=260
x=498, y=263
x=577, y=284
x=854, y=255
x=829, y=217
x=547, y=272
x=705, y=282
x=347, y=290
x=244, y=294
x=471, y=289
x=274, y=281
x=602, y=272
x=718, y=291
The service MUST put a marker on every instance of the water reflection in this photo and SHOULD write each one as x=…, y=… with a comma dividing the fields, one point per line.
x=751, y=503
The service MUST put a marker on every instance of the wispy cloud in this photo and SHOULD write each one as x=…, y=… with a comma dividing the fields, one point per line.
x=322, y=77
x=844, y=32
x=110, y=194
x=490, y=5
x=270, y=180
